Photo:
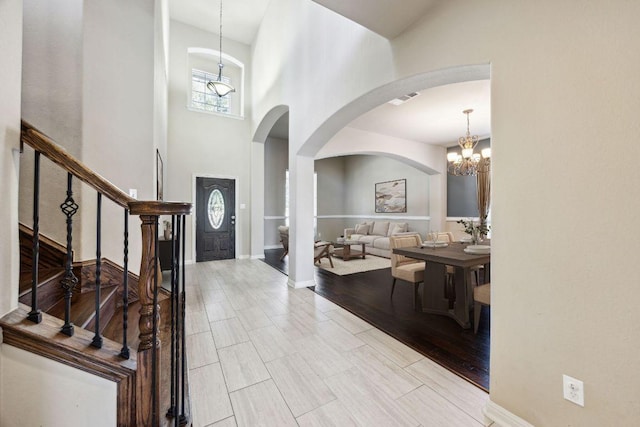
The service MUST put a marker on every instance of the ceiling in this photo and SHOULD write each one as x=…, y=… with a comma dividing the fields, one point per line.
x=384, y=17
x=433, y=117
x=240, y=18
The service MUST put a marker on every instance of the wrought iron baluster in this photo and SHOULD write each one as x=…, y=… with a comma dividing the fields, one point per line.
x=124, y=352
x=97, y=338
x=35, y=315
x=184, y=420
x=172, y=412
x=69, y=207
x=178, y=366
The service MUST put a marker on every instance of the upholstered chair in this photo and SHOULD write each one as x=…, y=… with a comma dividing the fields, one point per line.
x=322, y=250
x=284, y=239
x=481, y=296
x=404, y=268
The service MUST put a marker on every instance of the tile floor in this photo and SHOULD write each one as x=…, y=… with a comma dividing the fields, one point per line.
x=263, y=354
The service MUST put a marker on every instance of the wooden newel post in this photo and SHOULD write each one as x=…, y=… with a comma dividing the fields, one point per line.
x=147, y=389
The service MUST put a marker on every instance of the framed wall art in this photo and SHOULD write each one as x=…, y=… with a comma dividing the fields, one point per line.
x=391, y=196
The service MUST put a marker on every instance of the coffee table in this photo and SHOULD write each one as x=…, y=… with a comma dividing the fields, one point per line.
x=343, y=249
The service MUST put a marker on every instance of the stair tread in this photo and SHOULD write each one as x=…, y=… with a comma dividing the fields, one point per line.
x=44, y=275
x=83, y=305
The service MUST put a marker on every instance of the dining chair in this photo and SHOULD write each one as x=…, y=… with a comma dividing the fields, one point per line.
x=449, y=289
x=284, y=239
x=481, y=296
x=404, y=268
x=448, y=237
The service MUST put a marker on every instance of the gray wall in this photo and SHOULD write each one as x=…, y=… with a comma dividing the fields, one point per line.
x=332, y=194
x=346, y=188
x=462, y=199
x=346, y=192
x=276, y=156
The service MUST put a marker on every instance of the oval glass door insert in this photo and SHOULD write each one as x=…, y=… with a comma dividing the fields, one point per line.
x=215, y=206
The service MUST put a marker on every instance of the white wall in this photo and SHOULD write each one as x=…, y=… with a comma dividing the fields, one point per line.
x=10, y=77
x=52, y=102
x=42, y=392
x=561, y=95
x=564, y=92
x=119, y=124
x=10, y=82
x=93, y=81
x=205, y=144
x=300, y=48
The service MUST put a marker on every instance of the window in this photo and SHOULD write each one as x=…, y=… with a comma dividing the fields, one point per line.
x=203, y=98
x=202, y=67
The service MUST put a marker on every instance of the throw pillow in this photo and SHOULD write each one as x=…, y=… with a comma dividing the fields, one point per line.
x=380, y=228
x=397, y=228
x=362, y=229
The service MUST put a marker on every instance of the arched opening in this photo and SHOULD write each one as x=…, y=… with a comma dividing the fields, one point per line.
x=341, y=118
x=338, y=136
x=329, y=140
x=269, y=152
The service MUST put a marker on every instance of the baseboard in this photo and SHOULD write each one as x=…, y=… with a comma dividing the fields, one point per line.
x=257, y=256
x=273, y=246
x=298, y=285
x=501, y=417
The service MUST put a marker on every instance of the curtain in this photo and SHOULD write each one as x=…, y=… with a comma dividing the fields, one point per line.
x=483, y=180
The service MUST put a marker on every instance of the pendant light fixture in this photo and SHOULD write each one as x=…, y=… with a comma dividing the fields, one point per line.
x=468, y=163
x=219, y=87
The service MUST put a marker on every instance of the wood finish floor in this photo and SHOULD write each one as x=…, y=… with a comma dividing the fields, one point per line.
x=262, y=353
x=439, y=338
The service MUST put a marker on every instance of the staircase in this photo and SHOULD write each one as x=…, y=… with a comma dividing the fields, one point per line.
x=91, y=315
x=51, y=294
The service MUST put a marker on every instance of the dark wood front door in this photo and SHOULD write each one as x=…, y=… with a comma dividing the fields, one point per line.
x=215, y=219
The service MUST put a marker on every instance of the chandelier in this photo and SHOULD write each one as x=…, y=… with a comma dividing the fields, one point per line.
x=218, y=86
x=468, y=163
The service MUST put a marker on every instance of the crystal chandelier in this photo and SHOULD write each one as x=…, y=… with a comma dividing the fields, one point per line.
x=468, y=163
x=218, y=86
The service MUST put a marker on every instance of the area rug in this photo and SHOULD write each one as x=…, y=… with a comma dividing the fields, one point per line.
x=354, y=265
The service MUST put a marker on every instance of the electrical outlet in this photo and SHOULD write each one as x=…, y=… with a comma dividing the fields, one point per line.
x=573, y=390
x=133, y=193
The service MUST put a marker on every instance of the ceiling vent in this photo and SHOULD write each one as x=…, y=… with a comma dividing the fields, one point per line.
x=404, y=98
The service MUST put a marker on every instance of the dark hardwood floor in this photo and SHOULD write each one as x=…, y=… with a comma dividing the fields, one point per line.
x=439, y=338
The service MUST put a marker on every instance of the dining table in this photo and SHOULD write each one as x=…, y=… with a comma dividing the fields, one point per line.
x=434, y=299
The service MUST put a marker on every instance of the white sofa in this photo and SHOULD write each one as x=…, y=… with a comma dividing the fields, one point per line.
x=375, y=235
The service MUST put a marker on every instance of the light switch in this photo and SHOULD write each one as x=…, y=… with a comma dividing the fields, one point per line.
x=242, y=206
x=133, y=193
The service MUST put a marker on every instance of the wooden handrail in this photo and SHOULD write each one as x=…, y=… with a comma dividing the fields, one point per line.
x=154, y=207
x=58, y=155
